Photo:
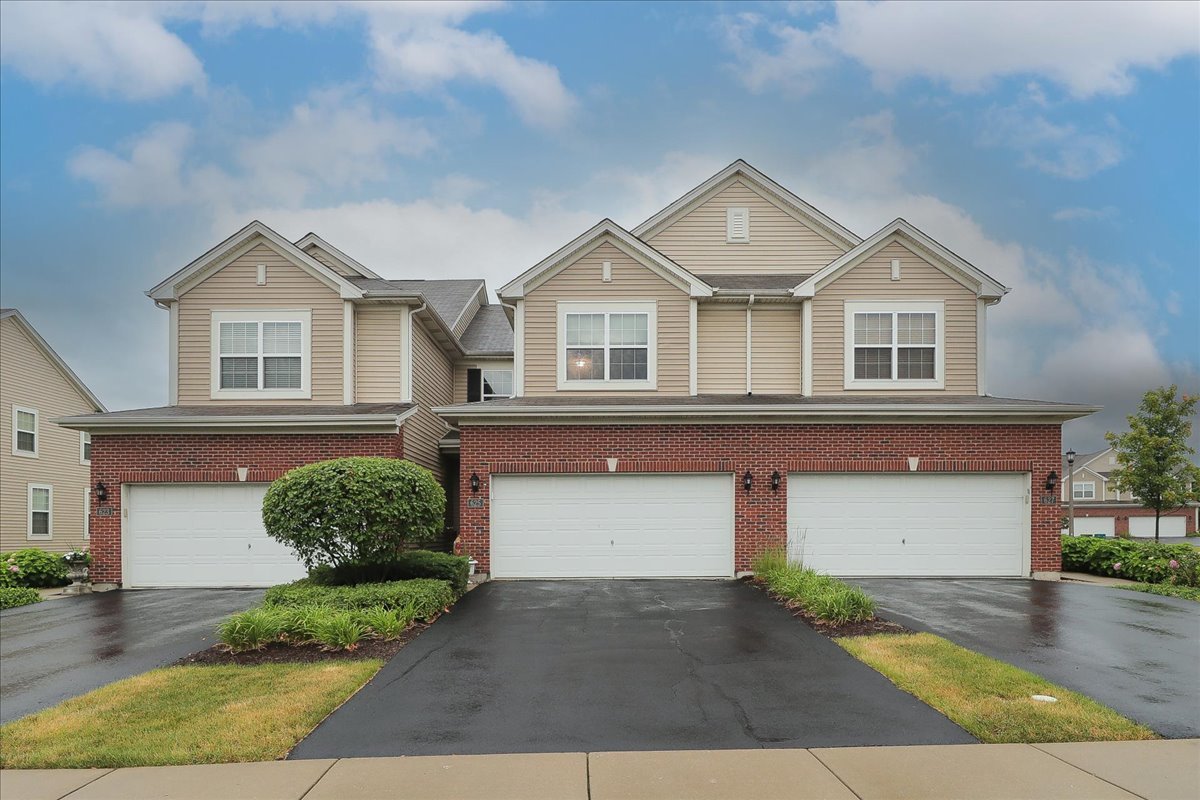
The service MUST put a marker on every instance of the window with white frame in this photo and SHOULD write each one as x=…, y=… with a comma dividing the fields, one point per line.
x=495, y=383
x=894, y=345
x=85, y=447
x=607, y=346
x=41, y=511
x=1084, y=490
x=25, y=432
x=261, y=354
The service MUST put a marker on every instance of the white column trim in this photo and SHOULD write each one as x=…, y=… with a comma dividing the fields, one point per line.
x=406, y=355
x=173, y=344
x=749, y=349
x=347, y=353
x=692, y=354
x=981, y=346
x=519, y=349
x=806, y=365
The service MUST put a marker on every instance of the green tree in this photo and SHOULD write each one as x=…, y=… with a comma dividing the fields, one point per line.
x=1153, y=457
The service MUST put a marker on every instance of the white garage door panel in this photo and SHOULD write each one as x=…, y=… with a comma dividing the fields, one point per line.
x=608, y=526
x=202, y=535
x=909, y=524
x=1094, y=526
x=1167, y=526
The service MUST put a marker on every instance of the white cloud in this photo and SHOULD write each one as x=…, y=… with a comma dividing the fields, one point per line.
x=1087, y=48
x=152, y=174
x=1062, y=150
x=1083, y=213
x=792, y=63
x=117, y=49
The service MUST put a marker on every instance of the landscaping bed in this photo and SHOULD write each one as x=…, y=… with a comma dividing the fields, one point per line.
x=1146, y=562
x=306, y=653
x=1164, y=590
x=830, y=606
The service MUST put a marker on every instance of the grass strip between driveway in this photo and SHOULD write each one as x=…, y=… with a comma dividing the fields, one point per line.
x=185, y=715
x=1163, y=589
x=990, y=699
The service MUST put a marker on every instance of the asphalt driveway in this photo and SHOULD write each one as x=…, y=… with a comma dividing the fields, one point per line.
x=584, y=666
x=1137, y=653
x=65, y=647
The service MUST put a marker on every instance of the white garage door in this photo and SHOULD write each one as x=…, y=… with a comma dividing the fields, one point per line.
x=1094, y=526
x=612, y=526
x=909, y=524
x=1167, y=526
x=196, y=534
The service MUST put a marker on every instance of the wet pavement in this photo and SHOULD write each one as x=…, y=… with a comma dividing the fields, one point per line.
x=585, y=666
x=63, y=648
x=1137, y=653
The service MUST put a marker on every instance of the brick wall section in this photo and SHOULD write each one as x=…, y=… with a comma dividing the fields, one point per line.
x=205, y=458
x=760, y=516
x=1122, y=515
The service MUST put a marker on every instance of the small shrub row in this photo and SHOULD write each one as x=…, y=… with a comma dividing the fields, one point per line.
x=426, y=596
x=1147, y=562
x=1164, y=590
x=403, y=566
x=824, y=597
x=14, y=596
x=333, y=628
x=33, y=568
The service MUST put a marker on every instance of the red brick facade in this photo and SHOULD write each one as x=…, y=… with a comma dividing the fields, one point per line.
x=204, y=458
x=760, y=515
x=1121, y=515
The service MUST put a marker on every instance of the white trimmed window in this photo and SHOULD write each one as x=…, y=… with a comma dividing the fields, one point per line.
x=41, y=511
x=737, y=224
x=85, y=447
x=607, y=345
x=25, y=432
x=1084, y=490
x=495, y=383
x=895, y=345
x=261, y=354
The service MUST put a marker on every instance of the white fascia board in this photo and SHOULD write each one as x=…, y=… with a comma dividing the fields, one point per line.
x=629, y=244
x=482, y=301
x=820, y=222
x=238, y=243
x=283, y=421
x=346, y=260
x=942, y=257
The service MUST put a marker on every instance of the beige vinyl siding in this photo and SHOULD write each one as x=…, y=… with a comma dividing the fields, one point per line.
x=433, y=385
x=29, y=379
x=776, y=352
x=581, y=282
x=721, y=349
x=460, y=374
x=468, y=314
x=871, y=280
x=778, y=241
x=328, y=260
x=235, y=288
x=379, y=343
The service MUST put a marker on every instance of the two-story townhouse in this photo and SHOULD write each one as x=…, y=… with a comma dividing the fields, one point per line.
x=741, y=372
x=1102, y=510
x=281, y=353
x=43, y=468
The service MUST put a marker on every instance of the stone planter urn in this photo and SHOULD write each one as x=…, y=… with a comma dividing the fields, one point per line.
x=77, y=571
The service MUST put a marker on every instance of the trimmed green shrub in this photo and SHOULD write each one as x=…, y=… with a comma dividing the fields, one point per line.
x=426, y=596
x=338, y=630
x=251, y=630
x=385, y=623
x=823, y=596
x=405, y=566
x=354, y=509
x=14, y=596
x=1148, y=562
x=35, y=568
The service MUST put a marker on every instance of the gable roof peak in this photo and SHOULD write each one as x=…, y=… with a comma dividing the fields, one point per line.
x=52, y=356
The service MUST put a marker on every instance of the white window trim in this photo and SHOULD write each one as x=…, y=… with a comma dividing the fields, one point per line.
x=935, y=307
x=303, y=316
x=512, y=380
x=729, y=214
x=87, y=513
x=37, y=437
x=85, y=438
x=29, y=534
x=649, y=308
x=1076, y=486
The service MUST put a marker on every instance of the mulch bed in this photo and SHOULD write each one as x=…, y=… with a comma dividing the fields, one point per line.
x=832, y=630
x=280, y=653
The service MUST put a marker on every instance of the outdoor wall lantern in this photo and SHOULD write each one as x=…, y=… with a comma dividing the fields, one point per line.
x=101, y=491
x=747, y=480
x=474, y=482
x=1051, y=481
x=775, y=479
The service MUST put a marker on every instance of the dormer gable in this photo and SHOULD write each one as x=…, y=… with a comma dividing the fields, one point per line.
x=332, y=257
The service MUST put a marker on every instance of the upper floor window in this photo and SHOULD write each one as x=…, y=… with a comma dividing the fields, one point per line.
x=1084, y=490
x=41, y=511
x=261, y=354
x=489, y=384
x=737, y=224
x=607, y=345
x=25, y=432
x=85, y=447
x=894, y=345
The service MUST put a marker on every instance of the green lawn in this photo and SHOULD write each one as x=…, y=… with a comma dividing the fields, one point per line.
x=1164, y=589
x=989, y=698
x=185, y=715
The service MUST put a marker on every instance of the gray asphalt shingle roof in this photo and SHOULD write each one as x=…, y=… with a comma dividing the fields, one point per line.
x=488, y=333
x=219, y=411
x=447, y=298
x=752, y=283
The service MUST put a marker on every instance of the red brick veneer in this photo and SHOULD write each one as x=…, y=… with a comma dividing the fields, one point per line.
x=205, y=458
x=760, y=516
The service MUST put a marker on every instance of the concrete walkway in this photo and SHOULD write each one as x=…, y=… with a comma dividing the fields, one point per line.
x=1157, y=770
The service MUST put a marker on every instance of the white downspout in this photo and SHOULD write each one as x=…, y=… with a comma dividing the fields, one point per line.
x=408, y=355
x=749, y=347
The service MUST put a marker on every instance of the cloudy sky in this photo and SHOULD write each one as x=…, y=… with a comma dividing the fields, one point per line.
x=1056, y=146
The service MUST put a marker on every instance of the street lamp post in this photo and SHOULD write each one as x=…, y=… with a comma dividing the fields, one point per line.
x=1071, y=492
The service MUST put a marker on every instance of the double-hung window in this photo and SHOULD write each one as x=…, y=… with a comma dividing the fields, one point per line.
x=41, y=511
x=85, y=447
x=894, y=345
x=25, y=432
x=261, y=354
x=607, y=345
x=489, y=383
x=1085, y=490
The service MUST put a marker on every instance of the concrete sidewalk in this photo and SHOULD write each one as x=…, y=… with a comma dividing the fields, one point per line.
x=1157, y=770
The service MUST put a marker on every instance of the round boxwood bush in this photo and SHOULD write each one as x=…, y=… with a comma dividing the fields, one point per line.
x=354, y=509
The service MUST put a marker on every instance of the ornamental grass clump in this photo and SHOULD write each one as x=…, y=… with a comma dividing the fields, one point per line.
x=822, y=596
x=253, y=629
x=338, y=630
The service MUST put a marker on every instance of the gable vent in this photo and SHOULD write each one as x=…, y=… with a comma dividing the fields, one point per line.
x=737, y=224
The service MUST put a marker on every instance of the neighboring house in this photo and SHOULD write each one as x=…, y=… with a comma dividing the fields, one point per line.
x=281, y=353
x=44, y=469
x=1101, y=510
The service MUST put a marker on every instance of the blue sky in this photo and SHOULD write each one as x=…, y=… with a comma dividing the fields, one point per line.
x=1056, y=146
